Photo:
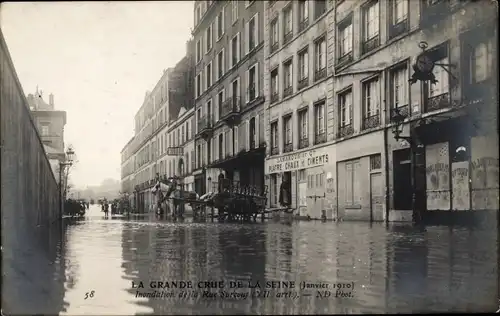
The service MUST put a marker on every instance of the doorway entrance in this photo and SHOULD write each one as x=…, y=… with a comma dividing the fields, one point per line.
x=402, y=184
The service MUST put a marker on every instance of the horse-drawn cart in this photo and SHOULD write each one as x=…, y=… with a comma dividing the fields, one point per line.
x=230, y=199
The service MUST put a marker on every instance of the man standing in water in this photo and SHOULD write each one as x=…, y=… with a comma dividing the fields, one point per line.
x=285, y=196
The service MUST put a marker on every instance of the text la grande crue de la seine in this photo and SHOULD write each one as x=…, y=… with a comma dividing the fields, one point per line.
x=230, y=284
x=296, y=161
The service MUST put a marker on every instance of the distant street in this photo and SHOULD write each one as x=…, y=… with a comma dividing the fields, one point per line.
x=397, y=269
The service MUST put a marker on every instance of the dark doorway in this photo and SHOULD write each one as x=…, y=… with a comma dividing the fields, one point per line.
x=402, y=179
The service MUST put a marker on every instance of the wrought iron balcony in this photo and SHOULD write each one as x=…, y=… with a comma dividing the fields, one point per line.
x=288, y=36
x=274, y=47
x=320, y=74
x=205, y=125
x=320, y=138
x=275, y=150
x=371, y=121
x=287, y=147
x=230, y=109
x=346, y=130
x=303, y=143
x=304, y=82
x=438, y=102
x=371, y=44
x=433, y=12
x=303, y=24
x=398, y=28
x=343, y=60
x=275, y=97
x=403, y=110
x=287, y=91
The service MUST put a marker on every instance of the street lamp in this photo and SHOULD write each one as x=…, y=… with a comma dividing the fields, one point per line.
x=398, y=124
x=68, y=161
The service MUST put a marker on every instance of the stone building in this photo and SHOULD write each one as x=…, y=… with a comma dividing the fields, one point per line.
x=449, y=158
x=229, y=39
x=50, y=125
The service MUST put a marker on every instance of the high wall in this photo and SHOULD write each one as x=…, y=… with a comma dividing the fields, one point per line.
x=29, y=196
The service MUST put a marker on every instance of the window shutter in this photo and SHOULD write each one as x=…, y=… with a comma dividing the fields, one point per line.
x=223, y=145
x=230, y=63
x=247, y=132
x=216, y=109
x=257, y=29
x=215, y=148
x=216, y=27
x=247, y=95
x=230, y=142
x=241, y=138
x=247, y=37
x=236, y=137
x=257, y=80
x=257, y=127
x=238, y=48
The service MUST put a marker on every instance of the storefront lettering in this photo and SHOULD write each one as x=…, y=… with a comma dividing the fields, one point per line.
x=298, y=161
x=484, y=162
x=437, y=167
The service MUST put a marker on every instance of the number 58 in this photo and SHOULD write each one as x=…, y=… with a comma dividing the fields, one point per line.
x=89, y=294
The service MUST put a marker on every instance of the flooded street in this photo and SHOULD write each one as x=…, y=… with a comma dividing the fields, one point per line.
x=393, y=269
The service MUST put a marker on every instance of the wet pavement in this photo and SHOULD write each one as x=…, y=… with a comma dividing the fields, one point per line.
x=377, y=268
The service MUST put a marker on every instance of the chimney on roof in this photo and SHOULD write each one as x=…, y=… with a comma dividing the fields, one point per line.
x=51, y=100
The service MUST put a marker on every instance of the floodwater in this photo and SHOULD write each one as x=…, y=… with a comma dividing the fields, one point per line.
x=376, y=268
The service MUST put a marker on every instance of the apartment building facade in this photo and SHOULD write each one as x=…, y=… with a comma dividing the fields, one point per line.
x=229, y=97
x=299, y=92
x=371, y=51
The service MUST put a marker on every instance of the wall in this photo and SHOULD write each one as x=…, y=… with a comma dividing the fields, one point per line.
x=29, y=190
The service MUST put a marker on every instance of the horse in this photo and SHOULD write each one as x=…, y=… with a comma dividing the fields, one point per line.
x=169, y=190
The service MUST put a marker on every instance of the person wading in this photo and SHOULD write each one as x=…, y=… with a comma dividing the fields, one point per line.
x=285, y=197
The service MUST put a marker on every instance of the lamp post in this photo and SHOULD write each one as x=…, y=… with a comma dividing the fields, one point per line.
x=181, y=183
x=62, y=190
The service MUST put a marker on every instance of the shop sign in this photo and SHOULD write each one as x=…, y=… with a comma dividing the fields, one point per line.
x=302, y=160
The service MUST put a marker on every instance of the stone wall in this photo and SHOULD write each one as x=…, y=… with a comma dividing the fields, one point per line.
x=29, y=191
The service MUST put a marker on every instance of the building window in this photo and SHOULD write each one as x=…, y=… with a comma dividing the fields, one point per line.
x=220, y=24
x=481, y=62
x=45, y=130
x=303, y=129
x=235, y=50
x=198, y=85
x=198, y=14
x=371, y=26
x=274, y=85
x=345, y=41
x=319, y=8
x=208, y=38
x=441, y=87
x=375, y=162
x=220, y=102
x=320, y=58
x=253, y=135
x=274, y=138
x=208, y=73
x=220, y=64
x=399, y=89
x=371, y=106
x=234, y=11
x=198, y=50
x=345, y=113
x=399, y=11
x=252, y=32
x=274, y=34
x=198, y=158
x=303, y=14
x=287, y=134
x=287, y=78
x=287, y=24
x=303, y=69
x=319, y=123
x=252, y=80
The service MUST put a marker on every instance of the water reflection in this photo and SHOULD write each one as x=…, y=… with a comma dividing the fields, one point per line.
x=394, y=269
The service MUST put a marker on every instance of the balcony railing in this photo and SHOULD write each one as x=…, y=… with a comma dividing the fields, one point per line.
x=205, y=122
x=275, y=97
x=230, y=106
x=320, y=74
x=371, y=44
x=287, y=91
x=431, y=14
x=303, y=24
x=288, y=36
x=371, y=121
x=304, y=82
x=303, y=143
x=438, y=102
x=288, y=148
x=345, y=130
x=343, y=60
x=403, y=110
x=275, y=150
x=398, y=29
x=274, y=46
x=320, y=138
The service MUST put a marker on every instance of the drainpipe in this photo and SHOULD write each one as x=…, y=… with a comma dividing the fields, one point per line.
x=386, y=155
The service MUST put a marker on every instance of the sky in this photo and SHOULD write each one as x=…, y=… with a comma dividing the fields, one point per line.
x=98, y=59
